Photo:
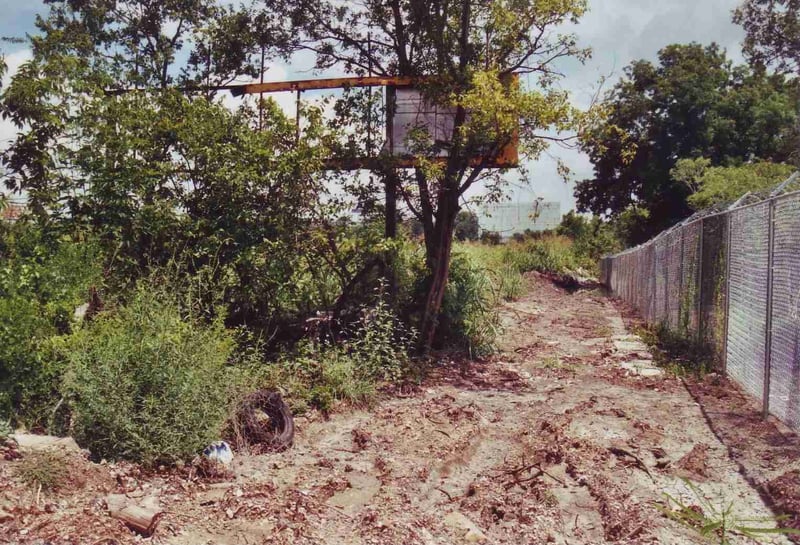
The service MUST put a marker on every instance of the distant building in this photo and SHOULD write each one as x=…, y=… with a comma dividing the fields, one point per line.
x=11, y=212
x=510, y=218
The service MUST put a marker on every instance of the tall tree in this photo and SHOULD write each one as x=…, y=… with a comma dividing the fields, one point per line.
x=693, y=103
x=719, y=185
x=773, y=32
x=468, y=49
x=159, y=43
x=161, y=174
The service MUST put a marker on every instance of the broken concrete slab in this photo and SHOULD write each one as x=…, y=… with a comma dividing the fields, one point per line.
x=363, y=488
x=644, y=368
x=628, y=346
x=459, y=522
x=33, y=443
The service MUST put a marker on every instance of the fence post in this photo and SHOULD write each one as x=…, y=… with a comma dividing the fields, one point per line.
x=768, y=332
x=700, y=243
x=681, y=298
x=728, y=241
x=666, y=284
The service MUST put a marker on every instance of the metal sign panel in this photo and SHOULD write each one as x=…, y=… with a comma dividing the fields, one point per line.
x=413, y=113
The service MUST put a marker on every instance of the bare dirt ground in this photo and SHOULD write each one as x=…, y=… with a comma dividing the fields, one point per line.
x=569, y=435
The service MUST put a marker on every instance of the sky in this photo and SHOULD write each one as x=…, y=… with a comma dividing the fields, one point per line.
x=618, y=31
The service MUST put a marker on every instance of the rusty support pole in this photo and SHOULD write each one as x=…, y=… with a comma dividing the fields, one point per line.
x=369, y=96
x=297, y=118
x=390, y=181
x=261, y=95
x=391, y=175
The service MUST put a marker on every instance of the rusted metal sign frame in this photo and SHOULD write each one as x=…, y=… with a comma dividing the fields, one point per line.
x=508, y=157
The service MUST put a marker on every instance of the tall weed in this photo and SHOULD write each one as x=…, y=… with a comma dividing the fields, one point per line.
x=147, y=383
x=469, y=318
x=319, y=373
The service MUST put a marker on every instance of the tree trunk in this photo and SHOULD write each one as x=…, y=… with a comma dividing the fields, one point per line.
x=390, y=232
x=438, y=262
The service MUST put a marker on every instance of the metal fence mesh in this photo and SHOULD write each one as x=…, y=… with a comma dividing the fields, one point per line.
x=784, y=392
x=674, y=276
x=713, y=285
x=747, y=309
x=731, y=282
x=687, y=319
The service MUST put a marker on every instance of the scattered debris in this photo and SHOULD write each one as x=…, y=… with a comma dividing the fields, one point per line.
x=695, y=462
x=621, y=453
x=784, y=491
x=219, y=451
x=263, y=423
x=361, y=439
x=142, y=520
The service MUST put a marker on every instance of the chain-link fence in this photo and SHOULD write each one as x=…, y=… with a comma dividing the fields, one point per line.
x=731, y=282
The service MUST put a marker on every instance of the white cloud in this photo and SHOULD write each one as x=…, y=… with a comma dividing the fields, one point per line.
x=620, y=31
x=14, y=60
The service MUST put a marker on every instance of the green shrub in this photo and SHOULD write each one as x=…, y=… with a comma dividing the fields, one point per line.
x=490, y=237
x=318, y=374
x=467, y=226
x=5, y=431
x=45, y=471
x=544, y=254
x=146, y=383
x=381, y=343
x=592, y=237
x=469, y=319
x=42, y=280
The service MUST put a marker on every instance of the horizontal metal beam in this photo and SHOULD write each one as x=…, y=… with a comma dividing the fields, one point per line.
x=313, y=84
x=239, y=89
x=507, y=159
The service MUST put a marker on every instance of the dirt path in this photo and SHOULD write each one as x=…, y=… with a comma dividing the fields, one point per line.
x=569, y=435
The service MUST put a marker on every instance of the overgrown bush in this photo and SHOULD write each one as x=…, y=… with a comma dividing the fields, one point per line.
x=42, y=280
x=592, y=237
x=544, y=254
x=148, y=383
x=320, y=372
x=469, y=319
x=490, y=237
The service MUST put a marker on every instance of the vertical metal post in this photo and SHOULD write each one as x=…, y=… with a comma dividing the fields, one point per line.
x=391, y=182
x=700, y=250
x=297, y=119
x=728, y=244
x=261, y=94
x=681, y=298
x=666, y=282
x=652, y=291
x=768, y=332
x=369, y=97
